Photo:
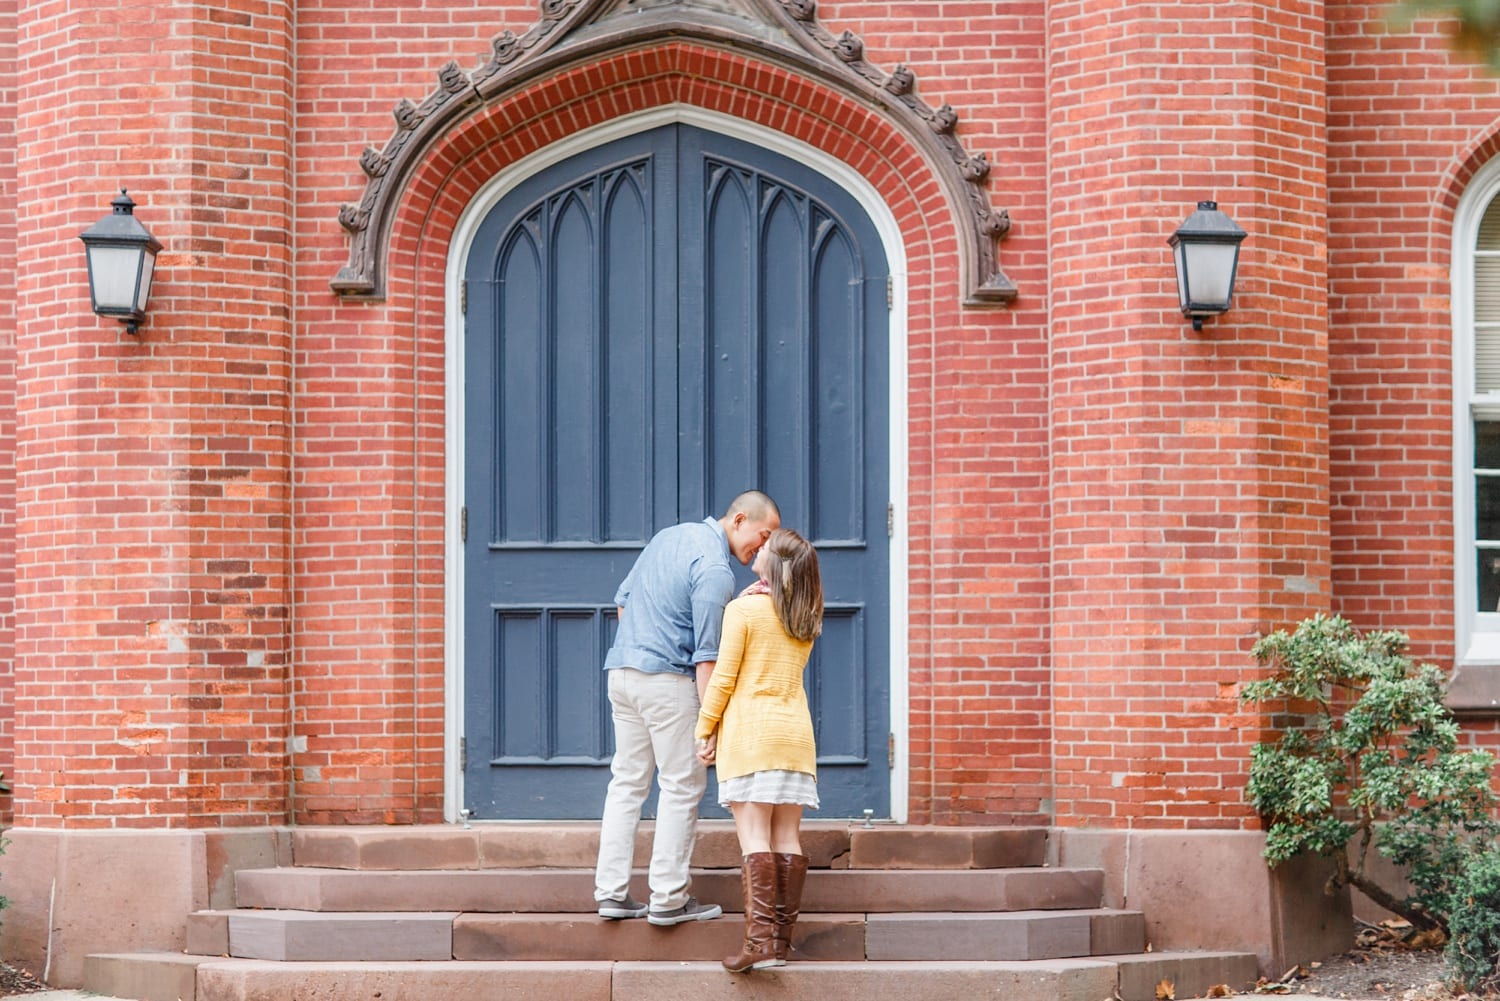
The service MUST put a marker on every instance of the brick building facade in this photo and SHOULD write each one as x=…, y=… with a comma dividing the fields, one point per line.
x=226, y=578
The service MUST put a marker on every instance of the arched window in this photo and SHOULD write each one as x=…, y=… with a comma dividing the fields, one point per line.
x=1476, y=412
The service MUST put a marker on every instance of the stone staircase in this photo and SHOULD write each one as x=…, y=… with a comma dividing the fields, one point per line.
x=506, y=911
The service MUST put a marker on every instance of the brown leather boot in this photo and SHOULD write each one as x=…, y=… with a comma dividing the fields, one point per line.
x=758, y=875
x=791, y=874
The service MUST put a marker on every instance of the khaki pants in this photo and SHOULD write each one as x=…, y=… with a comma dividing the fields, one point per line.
x=655, y=716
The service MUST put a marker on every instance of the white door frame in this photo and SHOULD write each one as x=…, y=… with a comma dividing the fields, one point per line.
x=485, y=199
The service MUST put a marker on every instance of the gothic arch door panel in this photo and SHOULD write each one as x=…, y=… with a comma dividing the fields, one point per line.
x=652, y=326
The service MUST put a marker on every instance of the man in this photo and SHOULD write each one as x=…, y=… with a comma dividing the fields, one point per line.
x=671, y=608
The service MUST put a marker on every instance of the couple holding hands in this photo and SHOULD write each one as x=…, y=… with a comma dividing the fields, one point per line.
x=696, y=678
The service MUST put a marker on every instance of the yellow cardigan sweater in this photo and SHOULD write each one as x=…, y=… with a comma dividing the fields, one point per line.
x=755, y=697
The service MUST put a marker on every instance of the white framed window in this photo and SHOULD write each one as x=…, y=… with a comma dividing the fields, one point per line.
x=1476, y=420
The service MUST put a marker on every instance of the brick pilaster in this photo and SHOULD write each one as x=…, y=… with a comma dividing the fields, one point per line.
x=152, y=472
x=1190, y=469
x=7, y=397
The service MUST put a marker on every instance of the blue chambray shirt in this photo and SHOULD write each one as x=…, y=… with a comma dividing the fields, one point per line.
x=674, y=600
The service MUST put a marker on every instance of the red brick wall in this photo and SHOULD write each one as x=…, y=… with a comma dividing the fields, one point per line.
x=1105, y=507
x=7, y=398
x=339, y=778
x=1189, y=469
x=368, y=494
x=1408, y=124
x=152, y=473
x=980, y=715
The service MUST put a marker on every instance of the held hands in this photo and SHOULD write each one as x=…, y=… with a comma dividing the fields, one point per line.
x=708, y=749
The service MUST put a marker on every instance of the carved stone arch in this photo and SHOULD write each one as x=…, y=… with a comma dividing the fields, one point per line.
x=785, y=33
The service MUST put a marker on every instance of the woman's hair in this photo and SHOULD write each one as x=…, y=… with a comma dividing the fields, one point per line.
x=796, y=585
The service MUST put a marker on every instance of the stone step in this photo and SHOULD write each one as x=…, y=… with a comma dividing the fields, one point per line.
x=571, y=891
x=1015, y=935
x=148, y=976
x=838, y=845
x=1055, y=980
x=1018, y=935
x=298, y=936
x=364, y=936
x=1191, y=974
x=558, y=937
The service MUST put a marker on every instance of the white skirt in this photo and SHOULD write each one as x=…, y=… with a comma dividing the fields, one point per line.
x=773, y=786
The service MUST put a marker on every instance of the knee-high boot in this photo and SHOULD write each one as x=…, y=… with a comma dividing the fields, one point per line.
x=791, y=874
x=758, y=875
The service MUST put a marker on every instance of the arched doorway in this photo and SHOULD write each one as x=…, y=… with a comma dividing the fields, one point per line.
x=650, y=325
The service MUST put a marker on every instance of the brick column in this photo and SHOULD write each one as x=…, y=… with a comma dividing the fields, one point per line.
x=1190, y=469
x=7, y=399
x=152, y=471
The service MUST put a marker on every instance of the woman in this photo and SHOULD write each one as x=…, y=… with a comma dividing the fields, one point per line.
x=756, y=727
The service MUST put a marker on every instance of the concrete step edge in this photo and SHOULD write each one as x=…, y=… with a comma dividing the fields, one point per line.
x=221, y=962
x=640, y=871
x=563, y=844
x=322, y=889
x=420, y=966
x=293, y=913
x=1192, y=973
x=223, y=979
x=143, y=976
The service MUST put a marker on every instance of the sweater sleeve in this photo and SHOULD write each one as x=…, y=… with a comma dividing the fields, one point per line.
x=726, y=671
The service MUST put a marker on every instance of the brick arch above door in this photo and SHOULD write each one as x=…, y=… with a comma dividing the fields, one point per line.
x=769, y=61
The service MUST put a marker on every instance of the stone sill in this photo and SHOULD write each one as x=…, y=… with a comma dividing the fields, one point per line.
x=1474, y=690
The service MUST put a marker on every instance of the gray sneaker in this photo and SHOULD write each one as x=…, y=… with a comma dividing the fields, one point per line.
x=618, y=910
x=690, y=911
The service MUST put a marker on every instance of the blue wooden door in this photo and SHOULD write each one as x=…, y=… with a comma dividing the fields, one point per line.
x=651, y=327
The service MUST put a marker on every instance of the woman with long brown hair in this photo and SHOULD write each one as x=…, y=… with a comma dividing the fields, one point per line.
x=756, y=727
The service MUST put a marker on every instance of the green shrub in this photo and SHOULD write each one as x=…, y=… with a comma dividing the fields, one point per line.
x=1368, y=755
x=1474, y=925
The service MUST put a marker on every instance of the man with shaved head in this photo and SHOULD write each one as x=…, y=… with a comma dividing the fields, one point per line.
x=671, y=606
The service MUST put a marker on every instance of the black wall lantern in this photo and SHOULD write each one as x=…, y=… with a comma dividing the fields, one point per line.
x=1206, y=250
x=122, y=258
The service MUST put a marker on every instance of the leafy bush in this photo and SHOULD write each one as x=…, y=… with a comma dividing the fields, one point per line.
x=1474, y=925
x=1369, y=756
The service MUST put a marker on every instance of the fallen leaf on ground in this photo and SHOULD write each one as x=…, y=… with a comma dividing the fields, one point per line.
x=1166, y=990
x=1431, y=938
x=1220, y=991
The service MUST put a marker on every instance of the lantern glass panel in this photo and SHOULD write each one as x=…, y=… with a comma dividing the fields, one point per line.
x=1179, y=258
x=143, y=289
x=1210, y=272
x=116, y=274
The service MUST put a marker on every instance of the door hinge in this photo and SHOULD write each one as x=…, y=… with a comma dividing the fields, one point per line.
x=890, y=521
x=463, y=297
x=890, y=291
x=463, y=754
x=463, y=523
x=890, y=751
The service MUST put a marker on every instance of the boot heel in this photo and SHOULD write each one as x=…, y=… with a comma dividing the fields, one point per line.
x=758, y=877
